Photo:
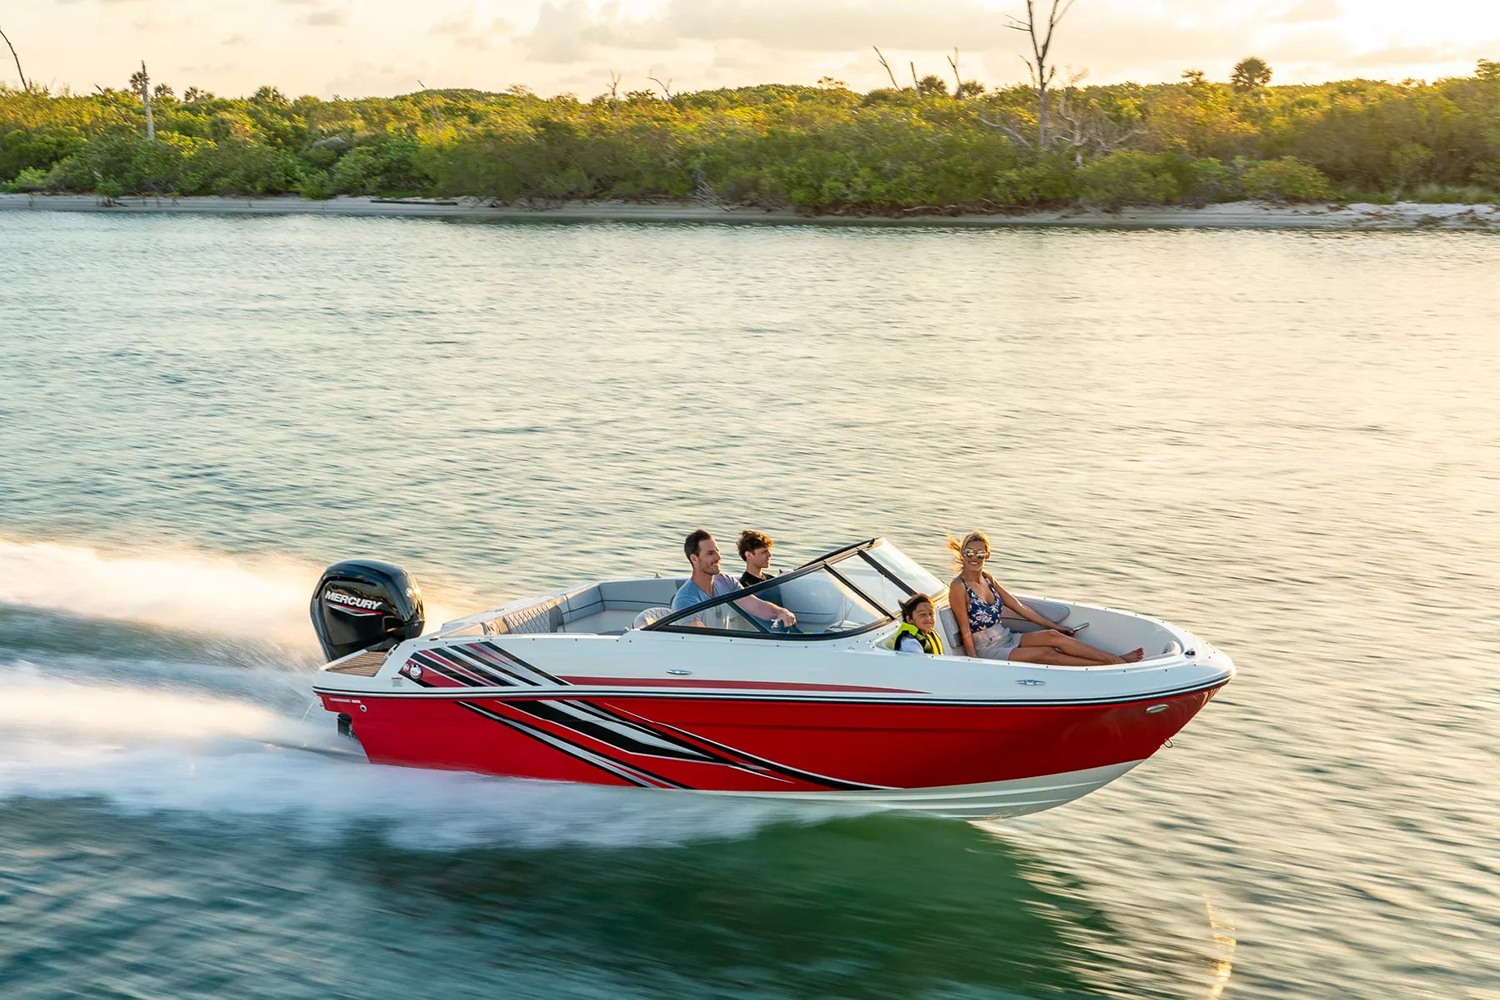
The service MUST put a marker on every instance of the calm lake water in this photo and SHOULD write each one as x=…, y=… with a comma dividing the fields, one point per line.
x=1287, y=442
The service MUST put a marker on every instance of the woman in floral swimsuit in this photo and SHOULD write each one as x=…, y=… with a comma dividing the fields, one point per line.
x=978, y=601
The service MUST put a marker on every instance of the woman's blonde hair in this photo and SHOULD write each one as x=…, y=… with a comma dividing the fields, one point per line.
x=957, y=547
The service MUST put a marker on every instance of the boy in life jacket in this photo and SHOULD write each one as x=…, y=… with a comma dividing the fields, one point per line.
x=918, y=630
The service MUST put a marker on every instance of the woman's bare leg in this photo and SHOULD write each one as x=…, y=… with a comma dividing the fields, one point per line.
x=1069, y=646
x=1048, y=656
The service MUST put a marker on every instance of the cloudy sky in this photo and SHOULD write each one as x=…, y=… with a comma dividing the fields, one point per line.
x=383, y=47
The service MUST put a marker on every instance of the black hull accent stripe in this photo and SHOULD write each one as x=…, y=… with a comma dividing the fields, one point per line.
x=496, y=677
x=458, y=664
x=729, y=757
x=720, y=754
x=553, y=713
x=771, y=765
x=443, y=669
x=513, y=658
x=646, y=725
x=483, y=654
x=632, y=774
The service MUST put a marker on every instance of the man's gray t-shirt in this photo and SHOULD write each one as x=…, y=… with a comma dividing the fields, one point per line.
x=690, y=593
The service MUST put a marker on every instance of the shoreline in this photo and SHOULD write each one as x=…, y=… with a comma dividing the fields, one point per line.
x=1228, y=215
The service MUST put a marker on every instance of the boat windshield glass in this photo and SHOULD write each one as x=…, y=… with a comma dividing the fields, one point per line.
x=869, y=579
x=825, y=606
x=905, y=569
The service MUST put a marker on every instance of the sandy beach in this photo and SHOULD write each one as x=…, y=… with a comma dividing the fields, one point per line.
x=1230, y=215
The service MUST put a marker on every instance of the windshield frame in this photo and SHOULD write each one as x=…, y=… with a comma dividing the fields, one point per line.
x=826, y=562
x=864, y=549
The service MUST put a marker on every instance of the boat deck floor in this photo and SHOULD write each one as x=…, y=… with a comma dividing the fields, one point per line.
x=366, y=664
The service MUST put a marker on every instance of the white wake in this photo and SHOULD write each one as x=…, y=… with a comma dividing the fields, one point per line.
x=261, y=598
x=179, y=589
x=204, y=758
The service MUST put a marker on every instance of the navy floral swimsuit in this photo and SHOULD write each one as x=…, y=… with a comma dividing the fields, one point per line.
x=992, y=639
x=982, y=615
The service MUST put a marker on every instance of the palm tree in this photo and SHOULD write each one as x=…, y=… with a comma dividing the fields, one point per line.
x=1250, y=74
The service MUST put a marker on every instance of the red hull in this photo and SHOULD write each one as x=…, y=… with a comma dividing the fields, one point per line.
x=751, y=744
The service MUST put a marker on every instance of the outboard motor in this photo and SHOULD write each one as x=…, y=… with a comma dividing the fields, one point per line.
x=363, y=604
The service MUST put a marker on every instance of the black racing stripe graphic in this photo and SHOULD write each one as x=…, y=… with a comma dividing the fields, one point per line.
x=439, y=665
x=623, y=719
x=465, y=657
x=637, y=722
x=702, y=750
x=557, y=715
x=771, y=765
x=427, y=661
x=631, y=773
x=488, y=654
x=513, y=658
x=454, y=663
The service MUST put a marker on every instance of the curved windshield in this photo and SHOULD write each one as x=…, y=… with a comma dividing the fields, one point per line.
x=825, y=606
x=905, y=569
x=869, y=579
x=907, y=574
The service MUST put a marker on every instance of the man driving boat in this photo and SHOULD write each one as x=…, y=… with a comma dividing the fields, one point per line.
x=707, y=582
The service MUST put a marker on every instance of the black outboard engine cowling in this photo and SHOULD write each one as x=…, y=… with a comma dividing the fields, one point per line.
x=362, y=604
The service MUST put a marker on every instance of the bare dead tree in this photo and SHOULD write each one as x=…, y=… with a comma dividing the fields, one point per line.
x=1042, y=72
x=1089, y=127
x=888, y=72
x=141, y=82
x=666, y=88
x=19, y=72
x=914, y=84
x=958, y=81
x=1016, y=135
x=433, y=106
x=614, y=85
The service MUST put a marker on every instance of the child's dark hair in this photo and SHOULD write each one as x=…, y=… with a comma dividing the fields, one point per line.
x=752, y=540
x=911, y=604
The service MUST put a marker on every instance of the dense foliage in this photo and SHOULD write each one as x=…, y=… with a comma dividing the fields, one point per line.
x=817, y=149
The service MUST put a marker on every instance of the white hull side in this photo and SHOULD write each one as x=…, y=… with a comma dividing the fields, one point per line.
x=987, y=800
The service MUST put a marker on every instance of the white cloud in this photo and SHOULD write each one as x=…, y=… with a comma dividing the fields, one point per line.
x=329, y=18
x=1306, y=11
x=317, y=46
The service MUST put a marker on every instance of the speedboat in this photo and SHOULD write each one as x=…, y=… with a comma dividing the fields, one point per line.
x=603, y=683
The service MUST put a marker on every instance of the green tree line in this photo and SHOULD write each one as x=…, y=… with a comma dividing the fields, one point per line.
x=823, y=149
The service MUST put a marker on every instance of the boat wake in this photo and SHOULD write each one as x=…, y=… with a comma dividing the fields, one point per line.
x=264, y=599
x=201, y=758
x=177, y=685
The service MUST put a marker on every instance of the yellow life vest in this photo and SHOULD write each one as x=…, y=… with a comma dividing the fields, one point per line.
x=931, y=642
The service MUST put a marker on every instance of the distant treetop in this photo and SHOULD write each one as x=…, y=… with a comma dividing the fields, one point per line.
x=1250, y=74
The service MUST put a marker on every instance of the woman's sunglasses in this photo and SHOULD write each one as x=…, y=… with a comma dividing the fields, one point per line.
x=976, y=554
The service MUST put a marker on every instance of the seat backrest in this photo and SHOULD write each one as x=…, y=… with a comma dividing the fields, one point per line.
x=543, y=616
x=951, y=642
x=581, y=603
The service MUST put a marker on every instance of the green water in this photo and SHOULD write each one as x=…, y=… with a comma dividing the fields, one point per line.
x=1286, y=442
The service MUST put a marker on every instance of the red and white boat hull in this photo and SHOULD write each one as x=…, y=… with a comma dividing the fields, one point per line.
x=892, y=750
